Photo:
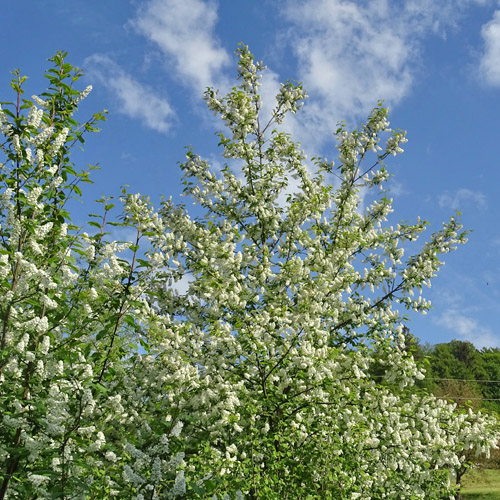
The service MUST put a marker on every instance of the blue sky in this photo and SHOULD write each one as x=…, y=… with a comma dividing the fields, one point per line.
x=436, y=65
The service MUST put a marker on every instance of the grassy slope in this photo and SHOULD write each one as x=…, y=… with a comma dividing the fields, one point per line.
x=481, y=485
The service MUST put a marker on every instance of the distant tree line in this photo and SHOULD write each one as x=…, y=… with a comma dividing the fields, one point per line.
x=458, y=371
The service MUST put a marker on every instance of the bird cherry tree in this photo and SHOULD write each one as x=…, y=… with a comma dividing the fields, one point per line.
x=77, y=416
x=252, y=379
x=292, y=288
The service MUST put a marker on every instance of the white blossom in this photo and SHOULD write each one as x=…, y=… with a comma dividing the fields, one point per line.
x=83, y=94
x=39, y=101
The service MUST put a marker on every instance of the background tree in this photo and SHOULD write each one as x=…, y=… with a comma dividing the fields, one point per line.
x=470, y=370
x=491, y=391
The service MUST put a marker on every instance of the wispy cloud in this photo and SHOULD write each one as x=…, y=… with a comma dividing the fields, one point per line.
x=135, y=99
x=353, y=53
x=182, y=285
x=469, y=329
x=490, y=60
x=184, y=31
x=348, y=56
x=350, y=53
x=461, y=197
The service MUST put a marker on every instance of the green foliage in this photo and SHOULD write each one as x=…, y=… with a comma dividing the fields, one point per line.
x=285, y=363
x=476, y=370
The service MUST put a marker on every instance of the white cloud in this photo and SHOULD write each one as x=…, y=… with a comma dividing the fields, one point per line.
x=490, y=60
x=349, y=57
x=184, y=31
x=463, y=196
x=425, y=15
x=135, y=99
x=352, y=53
x=396, y=188
x=182, y=285
x=467, y=328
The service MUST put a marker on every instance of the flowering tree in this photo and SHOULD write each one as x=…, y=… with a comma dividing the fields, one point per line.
x=291, y=291
x=265, y=360
x=78, y=418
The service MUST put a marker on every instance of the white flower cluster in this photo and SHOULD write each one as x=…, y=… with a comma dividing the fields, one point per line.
x=39, y=101
x=16, y=144
x=41, y=137
x=83, y=94
x=289, y=99
x=5, y=126
x=35, y=116
x=59, y=141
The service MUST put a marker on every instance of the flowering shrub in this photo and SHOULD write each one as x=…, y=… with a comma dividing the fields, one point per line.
x=254, y=382
x=78, y=416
